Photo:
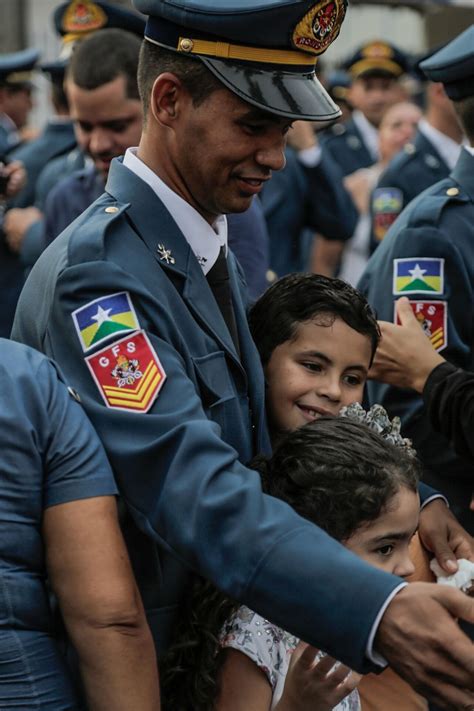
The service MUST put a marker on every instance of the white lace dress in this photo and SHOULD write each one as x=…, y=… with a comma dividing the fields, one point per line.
x=270, y=648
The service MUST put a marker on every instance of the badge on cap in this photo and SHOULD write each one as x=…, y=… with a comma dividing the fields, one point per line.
x=83, y=16
x=99, y=319
x=128, y=373
x=319, y=27
x=420, y=275
x=432, y=317
x=387, y=204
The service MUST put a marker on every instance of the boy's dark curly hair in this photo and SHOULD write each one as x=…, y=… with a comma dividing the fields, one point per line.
x=299, y=298
x=337, y=473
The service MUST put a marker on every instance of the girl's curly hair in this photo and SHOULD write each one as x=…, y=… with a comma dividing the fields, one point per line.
x=339, y=473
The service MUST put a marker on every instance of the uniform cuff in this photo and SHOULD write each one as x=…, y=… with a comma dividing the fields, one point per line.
x=374, y=656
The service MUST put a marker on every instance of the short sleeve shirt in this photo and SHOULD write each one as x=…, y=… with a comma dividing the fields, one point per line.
x=49, y=455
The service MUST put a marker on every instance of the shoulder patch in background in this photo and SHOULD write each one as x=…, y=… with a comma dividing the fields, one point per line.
x=433, y=319
x=387, y=204
x=128, y=373
x=99, y=319
x=418, y=275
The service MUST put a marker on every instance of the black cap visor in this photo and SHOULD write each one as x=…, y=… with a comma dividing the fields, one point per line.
x=291, y=94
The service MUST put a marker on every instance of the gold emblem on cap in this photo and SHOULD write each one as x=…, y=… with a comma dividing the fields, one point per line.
x=83, y=16
x=186, y=45
x=377, y=49
x=452, y=192
x=111, y=209
x=319, y=27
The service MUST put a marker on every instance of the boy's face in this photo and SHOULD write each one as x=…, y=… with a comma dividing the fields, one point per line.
x=322, y=369
x=385, y=542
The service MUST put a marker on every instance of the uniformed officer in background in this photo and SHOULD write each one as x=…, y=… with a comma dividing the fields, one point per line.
x=428, y=255
x=428, y=158
x=143, y=306
x=375, y=70
x=15, y=96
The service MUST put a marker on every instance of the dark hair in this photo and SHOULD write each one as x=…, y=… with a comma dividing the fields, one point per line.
x=335, y=472
x=104, y=56
x=58, y=95
x=465, y=110
x=299, y=298
x=192, y=73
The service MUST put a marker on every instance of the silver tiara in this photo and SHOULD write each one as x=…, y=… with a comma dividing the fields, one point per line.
x=378, y=420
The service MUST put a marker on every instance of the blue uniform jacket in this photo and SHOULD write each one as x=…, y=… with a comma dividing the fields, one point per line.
x=180, y=466
x=411, y=171
x=345, y=144
x=56, y=139
x=437, y=228
x=297, y=198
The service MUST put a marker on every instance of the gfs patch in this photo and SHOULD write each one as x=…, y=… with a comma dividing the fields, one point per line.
x=128, y=373
x=420, y=275
x=387, y=204
x=432, y=317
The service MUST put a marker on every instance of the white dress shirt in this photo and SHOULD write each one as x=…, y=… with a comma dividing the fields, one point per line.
x=448, y=149
x=204, y=240
x=370, y=134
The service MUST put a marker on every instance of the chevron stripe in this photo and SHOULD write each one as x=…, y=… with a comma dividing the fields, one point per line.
x=145, y=399
x=137, y=396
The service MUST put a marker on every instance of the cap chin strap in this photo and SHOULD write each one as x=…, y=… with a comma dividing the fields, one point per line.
x=239, y=52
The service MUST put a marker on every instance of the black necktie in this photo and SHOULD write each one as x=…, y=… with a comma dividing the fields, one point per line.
x=218, y=279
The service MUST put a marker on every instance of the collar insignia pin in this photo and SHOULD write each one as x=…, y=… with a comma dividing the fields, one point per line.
x=165, y=254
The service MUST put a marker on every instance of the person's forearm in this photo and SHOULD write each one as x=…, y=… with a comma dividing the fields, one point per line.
x=118, y=666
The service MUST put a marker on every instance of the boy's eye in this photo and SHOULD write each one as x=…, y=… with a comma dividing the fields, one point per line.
x=314, y=367
x=353, y=380
x=385, y=550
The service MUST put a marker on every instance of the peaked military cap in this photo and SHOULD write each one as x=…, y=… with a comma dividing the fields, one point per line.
x=377, y=57
x=265, y=51
x=337, y=84
x=453, y=65
x=16, y=68
x=77, y=19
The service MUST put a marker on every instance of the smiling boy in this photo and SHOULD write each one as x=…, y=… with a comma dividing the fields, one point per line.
x=316, y=337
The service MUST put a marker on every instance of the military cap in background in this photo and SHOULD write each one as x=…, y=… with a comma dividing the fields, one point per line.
x=377, y=58
x=16, y=68
x=337, y=84
x=265, y=51
x=453, y=65
x=77, y=19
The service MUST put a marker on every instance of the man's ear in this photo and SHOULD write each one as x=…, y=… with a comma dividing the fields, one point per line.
x=166, y=96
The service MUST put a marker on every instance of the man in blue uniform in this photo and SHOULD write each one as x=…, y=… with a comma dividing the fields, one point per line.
x=15, y=95
x=305, y=197
x=428, y=255
x=430, y=158
x=375, y=70
x=142, y=304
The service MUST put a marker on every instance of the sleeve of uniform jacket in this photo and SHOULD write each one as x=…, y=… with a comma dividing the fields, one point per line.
x=184, y=484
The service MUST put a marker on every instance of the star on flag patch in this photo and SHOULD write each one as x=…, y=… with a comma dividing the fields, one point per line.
x=128, y=373
x=420, y=275
x=432, y=317
x=99, y=319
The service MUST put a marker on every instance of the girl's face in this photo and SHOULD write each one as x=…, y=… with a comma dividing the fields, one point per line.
x=384, y=542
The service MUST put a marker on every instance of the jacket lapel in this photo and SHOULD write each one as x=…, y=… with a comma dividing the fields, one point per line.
x=463, y=172
x=170, y=250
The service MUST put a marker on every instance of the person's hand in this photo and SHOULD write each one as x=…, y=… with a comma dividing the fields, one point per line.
x=315, y=683
x=16, y=176
x=302, y=136
x=405, y=356
x=442, y=534
x=420, y=638
x=16, y=223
